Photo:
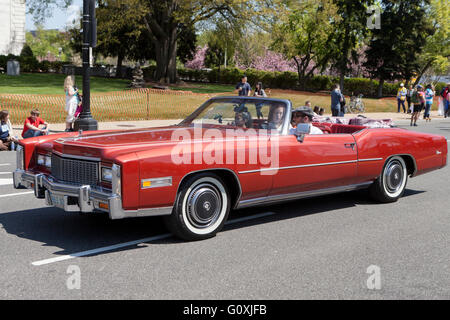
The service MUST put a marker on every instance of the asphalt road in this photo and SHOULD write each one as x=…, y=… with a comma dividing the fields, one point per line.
x=319, y=248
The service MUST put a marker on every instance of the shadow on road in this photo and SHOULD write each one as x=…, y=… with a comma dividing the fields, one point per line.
x=73, y=232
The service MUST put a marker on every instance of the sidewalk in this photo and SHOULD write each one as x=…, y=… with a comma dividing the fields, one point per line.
x=124, y=125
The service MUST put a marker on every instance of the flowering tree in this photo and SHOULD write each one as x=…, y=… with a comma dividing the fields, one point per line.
x=198, y=62
x=269, y=61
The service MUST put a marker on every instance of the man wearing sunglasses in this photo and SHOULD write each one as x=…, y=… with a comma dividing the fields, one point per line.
x=304, y=115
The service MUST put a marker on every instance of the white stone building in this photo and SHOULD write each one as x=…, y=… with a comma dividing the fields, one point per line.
x=12, y=26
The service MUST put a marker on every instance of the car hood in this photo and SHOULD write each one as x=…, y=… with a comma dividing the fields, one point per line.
x=109, y=145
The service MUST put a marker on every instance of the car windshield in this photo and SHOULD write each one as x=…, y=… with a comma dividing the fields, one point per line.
x=240, y=113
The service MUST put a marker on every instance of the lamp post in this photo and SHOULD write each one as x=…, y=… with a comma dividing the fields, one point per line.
x=85, y=121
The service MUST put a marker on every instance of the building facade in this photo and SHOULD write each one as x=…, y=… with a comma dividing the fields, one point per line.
x=12, y=26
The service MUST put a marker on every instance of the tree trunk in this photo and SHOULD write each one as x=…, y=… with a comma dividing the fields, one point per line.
x=342, y=81
x=380, y=89
x=166, y=58
x=119, y=65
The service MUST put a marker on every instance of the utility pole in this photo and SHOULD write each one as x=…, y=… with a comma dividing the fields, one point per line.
x=85, y=121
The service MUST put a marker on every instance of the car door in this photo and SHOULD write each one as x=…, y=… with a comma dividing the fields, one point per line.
x=319, y=162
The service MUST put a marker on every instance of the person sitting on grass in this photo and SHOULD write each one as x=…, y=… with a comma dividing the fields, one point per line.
x=31, y=126
x=7, y=141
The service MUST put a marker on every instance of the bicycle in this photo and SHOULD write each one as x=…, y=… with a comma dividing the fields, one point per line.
x=356, y=104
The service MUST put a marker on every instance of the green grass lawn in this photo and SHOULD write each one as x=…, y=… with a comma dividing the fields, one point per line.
x=35, y=83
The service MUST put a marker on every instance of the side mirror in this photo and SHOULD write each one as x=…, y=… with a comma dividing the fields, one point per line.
x=301, y=130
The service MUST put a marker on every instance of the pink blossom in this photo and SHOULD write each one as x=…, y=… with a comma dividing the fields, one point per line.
x=270, y=61
x=198, y=62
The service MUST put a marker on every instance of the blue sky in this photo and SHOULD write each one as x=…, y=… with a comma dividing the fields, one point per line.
x=59, y=17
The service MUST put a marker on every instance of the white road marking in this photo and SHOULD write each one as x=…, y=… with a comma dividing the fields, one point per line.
x=132, y=243
x=6, y=173
x=4, y=182
x=4, y=164
x=15, y=194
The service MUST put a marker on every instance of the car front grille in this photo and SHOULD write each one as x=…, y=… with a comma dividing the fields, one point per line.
x=75, y=171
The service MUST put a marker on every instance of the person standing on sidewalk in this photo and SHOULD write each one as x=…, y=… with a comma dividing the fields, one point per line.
x=71, y=102
x=336, y=100
x=243, y=88
x=418, y=99
x=408, y=98
x=401, y=98
x=446, y=99
x=429, y=94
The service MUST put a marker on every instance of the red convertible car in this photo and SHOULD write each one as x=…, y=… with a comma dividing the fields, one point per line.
x=232, y=152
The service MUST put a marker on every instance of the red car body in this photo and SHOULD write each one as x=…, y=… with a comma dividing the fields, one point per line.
x=146, y=181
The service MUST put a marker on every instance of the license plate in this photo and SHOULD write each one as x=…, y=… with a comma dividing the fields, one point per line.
x=57, y=200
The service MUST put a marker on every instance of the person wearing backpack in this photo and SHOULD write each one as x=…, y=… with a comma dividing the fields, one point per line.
x=418, y=100
x=445, y=96
x=71, y=102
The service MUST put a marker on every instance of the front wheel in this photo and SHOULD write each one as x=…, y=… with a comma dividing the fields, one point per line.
x=391, y=183
x=201, y=208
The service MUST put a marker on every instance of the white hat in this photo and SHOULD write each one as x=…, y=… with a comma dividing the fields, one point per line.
x=402, y=85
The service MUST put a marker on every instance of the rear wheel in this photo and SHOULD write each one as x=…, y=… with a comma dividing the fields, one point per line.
x=391, y=183
x=201, y=208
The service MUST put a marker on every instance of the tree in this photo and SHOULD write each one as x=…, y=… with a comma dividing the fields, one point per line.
x=348, y=33
x=394, y=49
x=49, y=41
x=221, y=45
x=304, y=35
x=121, y=33
x=164, y=18
x=436, y=52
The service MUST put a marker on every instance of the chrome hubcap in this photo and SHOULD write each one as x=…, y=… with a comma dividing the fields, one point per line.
x=204, y=205
x=393, y=177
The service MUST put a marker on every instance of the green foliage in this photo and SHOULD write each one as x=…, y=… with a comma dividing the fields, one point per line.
x=28, y=62
x=348, y=33
x=284, y=80
x=394, y=48
x=50, y=41
x=303, y=36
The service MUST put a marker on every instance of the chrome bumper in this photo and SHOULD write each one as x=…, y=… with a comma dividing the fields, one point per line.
x=87, y=199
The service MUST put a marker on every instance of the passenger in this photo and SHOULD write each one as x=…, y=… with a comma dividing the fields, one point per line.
x=304, y=115
x=321, y=111
x=316, y=110
x=308, y=103
x=276, y=117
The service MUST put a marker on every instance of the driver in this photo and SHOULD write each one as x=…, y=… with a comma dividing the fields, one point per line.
x=304, y=115
x=276, y=116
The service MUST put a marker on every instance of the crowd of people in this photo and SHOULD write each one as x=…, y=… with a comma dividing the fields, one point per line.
x=418, y=99
x=35, y=126
x=421, y=99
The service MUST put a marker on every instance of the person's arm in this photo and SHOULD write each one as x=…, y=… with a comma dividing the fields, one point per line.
x=71, y=91
x=238, y=88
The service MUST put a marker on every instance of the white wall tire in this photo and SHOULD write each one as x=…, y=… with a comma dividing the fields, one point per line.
x=201, y=208
x=391, y=183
